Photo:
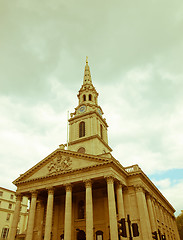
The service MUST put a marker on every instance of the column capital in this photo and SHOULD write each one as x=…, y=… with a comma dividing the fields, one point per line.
x=34, y=193
x=109, y=179
x=19, y=196
x=68, y=187
x=119, y=184
x=149, y=196
x=50, y=190
x=88, y=183
x=139, y=188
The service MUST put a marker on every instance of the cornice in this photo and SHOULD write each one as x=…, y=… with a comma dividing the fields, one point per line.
x=89, y=138
x=89, y=113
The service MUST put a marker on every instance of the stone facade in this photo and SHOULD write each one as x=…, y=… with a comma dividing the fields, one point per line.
x=7, y=211
x=81, y=192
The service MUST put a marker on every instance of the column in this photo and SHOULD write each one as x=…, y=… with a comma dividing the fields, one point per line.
x=68, y=213
x=16, y=215
x=89, y=210
x=151, y=213
x=30, y=226
x=40, y=216
x=143, y=213
x=112, y=209
x=121, y=212
x=49, y=215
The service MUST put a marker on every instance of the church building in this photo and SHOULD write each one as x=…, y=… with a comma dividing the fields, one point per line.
x=81, y=192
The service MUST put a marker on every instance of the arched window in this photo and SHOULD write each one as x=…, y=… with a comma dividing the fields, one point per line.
x=81, y=150
x=101, y=131
x=81, y=209
x=82, y=129
x=90, y=97
x=99, y=235
x=84, y=97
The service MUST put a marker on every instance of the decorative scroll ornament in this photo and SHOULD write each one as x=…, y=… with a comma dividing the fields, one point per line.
x=60, y=164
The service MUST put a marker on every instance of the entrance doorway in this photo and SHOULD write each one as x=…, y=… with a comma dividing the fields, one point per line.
x=81, y=235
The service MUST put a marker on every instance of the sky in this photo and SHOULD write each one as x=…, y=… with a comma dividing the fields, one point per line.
x=135, y=53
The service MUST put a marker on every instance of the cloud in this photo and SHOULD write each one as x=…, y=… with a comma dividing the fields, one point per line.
x=135, y=56
x=172, y=191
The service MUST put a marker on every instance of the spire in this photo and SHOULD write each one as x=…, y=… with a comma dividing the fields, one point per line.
x=87, y=75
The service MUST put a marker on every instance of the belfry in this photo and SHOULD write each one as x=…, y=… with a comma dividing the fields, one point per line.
x=81, y=192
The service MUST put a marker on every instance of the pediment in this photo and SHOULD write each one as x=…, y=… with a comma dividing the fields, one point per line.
x=60, y=162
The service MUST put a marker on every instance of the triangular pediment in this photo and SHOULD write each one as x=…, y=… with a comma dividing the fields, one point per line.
x=60, y=162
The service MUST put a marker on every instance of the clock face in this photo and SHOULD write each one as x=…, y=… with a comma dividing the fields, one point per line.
x=82, y=109
x=99, y=111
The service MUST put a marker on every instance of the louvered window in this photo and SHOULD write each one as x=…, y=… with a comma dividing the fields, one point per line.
x=82, y=129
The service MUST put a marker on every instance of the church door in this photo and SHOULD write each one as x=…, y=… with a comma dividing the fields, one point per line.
x=81, y=235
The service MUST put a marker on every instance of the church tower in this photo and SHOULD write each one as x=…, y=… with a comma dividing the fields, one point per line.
x=87, y=127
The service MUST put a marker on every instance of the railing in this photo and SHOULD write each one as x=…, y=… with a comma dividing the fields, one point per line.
x=133, y=168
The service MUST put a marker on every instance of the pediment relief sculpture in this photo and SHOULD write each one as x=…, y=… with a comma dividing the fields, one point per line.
x=60, y=164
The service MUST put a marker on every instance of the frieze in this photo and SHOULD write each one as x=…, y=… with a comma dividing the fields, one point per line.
x=60, y=164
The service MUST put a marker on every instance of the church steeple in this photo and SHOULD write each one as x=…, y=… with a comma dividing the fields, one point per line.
x=87, y=92
x=87, y=74
x=88, y=128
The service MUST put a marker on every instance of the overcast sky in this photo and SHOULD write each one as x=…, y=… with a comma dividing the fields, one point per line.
x=135, y=50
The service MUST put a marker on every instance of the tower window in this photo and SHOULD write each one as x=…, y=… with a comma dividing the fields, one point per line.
x=90, y=97
x=84, y=97
x=101, y=131
x=82, y=129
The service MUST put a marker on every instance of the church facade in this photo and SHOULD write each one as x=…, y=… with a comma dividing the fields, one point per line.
x=82, y=192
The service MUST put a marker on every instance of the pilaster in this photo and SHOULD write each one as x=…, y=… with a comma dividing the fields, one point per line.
x=151, y=213
x=143, y=213
x=120, y=203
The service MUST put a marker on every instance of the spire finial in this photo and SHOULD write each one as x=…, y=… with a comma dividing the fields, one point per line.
x=87, y=75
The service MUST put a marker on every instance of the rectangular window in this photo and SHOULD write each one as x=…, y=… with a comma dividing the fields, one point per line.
x=11, y=196
x=10, y=206
x=1, y=193
x=8, y=217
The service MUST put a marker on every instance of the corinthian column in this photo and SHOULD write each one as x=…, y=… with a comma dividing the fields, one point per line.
x=143, y=213
x=30, y=226
x=68, y=213
x=16, y=215
x=49, y=215
x=112, y=209
x=89, y=210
